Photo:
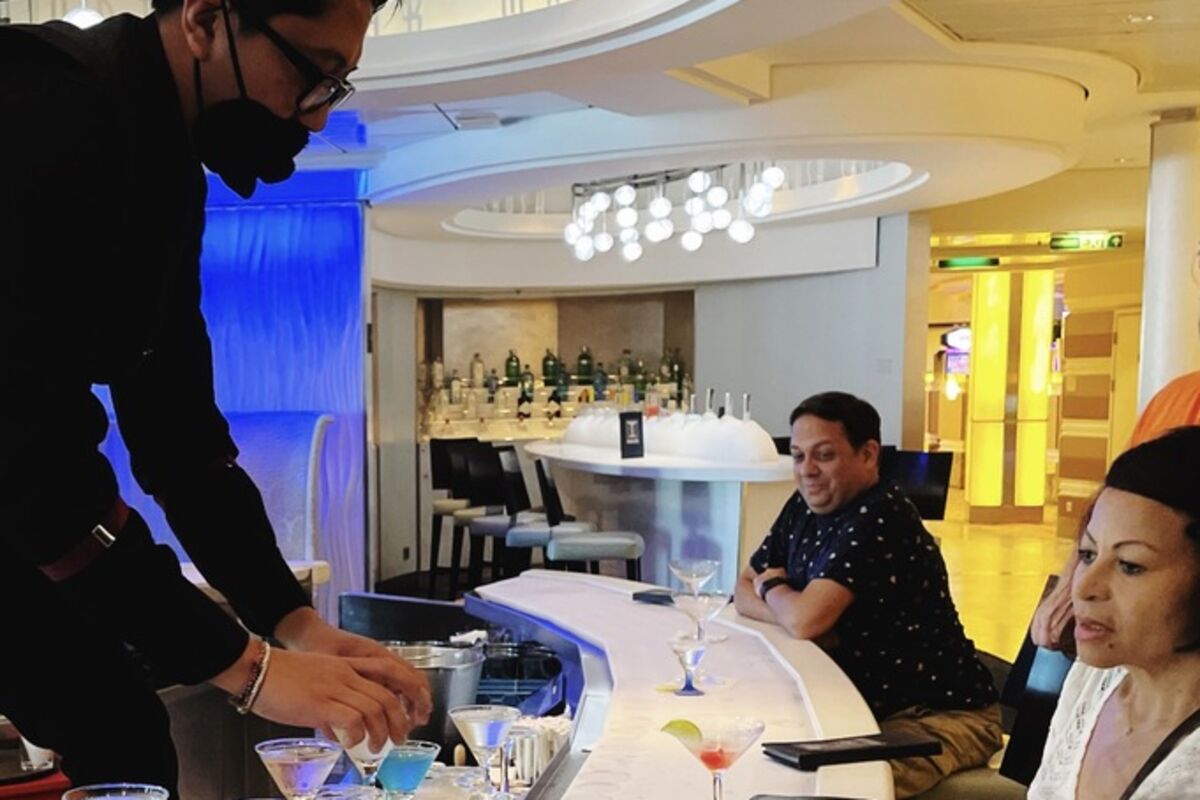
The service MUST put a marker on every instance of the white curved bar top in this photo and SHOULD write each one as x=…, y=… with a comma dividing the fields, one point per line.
x=605, y=461
x=792, y=685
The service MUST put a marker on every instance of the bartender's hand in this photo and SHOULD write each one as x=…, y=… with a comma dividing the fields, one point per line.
x=304, y=630
x=313, y=690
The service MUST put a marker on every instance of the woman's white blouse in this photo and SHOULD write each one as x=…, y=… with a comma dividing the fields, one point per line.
x=1084, y=694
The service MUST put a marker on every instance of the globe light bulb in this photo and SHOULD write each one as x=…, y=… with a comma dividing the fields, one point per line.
x=741, y=231
x=699, y=181
x=763, y=210
x=629, y=235
x=627, y=217
x=603, y=242
x=585, y=248
x=774, y=176
x=631, y=251
x=601, y=201
x=588, y=211
x=571, y=233
x=587, y=224
x=691, y=241
x=721, y=218
x=625, y=195
x=660, y=208
x=760, y=191
x=717, y=196
x=694, y=206
x=702, y=222
x=668, y=228
x=655, y=232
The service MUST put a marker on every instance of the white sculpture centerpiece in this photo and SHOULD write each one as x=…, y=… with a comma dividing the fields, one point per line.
x=725, y=440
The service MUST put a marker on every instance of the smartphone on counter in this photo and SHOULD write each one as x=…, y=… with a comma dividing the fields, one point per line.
x=655, y=597
x=811, y=755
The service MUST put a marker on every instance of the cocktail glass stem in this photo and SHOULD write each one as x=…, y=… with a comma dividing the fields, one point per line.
x=689, y=682
x=485, y=764
x=505, y=755
x=718, y=785
x=368, y=775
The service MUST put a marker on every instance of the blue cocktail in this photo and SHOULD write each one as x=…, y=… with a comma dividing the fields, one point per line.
x=405, y=767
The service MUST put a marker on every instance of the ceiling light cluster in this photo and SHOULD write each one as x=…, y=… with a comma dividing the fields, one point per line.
x=710, y=203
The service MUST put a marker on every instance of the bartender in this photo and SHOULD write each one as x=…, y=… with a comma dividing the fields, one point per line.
x=102, y=199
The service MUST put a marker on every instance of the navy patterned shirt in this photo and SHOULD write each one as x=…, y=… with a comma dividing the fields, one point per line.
x=900, y=641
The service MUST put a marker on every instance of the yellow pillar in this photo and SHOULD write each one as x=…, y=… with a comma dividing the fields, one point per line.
x=1012, y=322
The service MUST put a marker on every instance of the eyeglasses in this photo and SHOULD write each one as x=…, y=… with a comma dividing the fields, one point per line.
x=323, y=89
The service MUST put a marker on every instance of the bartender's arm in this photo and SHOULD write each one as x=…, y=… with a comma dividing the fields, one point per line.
x=183, y=455
x=810, y=613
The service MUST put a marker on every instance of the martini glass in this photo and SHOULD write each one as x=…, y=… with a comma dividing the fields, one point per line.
x=109, y=791
x=405, y=767
x=719, y=746
x=689, y=649
x=693, y=573
x=298, y=766
x=349, y=792
x=484, y=730
x=365, y=759
x=701, y=607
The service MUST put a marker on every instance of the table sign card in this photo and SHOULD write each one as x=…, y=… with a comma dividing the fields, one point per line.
x=633, y=439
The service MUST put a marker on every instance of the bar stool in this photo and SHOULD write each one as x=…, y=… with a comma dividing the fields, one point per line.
x=442, y=477
x=570, y=544
x=525, y=536
x=517, y=508
x=472, y=466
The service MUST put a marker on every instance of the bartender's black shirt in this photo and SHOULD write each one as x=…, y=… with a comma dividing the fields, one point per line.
x=101, y=218
x=900, y=642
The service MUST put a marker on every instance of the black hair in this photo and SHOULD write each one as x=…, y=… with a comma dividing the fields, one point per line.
x=858, y=417
x=266, y=9
x=1165, y=470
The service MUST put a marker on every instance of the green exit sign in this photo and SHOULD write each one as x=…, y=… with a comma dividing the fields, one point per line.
x=1087, y=240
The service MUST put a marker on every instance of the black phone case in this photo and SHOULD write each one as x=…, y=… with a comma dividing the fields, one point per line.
x=809, y=756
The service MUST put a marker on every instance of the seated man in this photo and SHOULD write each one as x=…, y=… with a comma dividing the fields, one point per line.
x=849, y=564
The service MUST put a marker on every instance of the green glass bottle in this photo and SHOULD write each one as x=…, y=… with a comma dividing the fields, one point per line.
x=512, y=369
x=549, y=368
x=584, y=366
x=639, y=381
x=527, y=381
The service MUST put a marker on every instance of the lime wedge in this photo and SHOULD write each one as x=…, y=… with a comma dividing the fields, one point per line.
x=686, y=731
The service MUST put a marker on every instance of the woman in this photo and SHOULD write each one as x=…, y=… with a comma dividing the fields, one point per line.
x=1128, y=722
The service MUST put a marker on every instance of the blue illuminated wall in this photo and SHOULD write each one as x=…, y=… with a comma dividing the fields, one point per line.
x=283, y=298
x=283, y=295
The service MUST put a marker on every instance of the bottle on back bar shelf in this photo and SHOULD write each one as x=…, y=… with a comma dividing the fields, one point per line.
x=564, y=385
x=600, y=382
x=664, y=367
x=512, y=369
x=677, y=375
x=477, y=372
x=583, y=366
x=437, y=375
x=527, y=383
x=456, y=388
x=639, y=382
x=492, y=381
x=549, y=368
x=625, y=365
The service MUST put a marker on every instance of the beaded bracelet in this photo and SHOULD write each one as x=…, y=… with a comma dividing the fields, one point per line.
x=244, y=702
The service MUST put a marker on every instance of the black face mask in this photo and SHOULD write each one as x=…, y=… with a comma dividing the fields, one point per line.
x=240, y=139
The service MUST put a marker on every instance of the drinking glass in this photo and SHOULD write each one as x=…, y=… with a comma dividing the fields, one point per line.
x=718, y=746
x=693, y=573
x=299, y=767
x=484, y=730
x=689, y=649
x=108, y=791
x=406, y=766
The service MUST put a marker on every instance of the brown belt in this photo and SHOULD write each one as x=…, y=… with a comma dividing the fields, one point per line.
x=91, y=547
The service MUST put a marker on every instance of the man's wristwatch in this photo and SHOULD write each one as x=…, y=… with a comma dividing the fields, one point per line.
x=768, y=585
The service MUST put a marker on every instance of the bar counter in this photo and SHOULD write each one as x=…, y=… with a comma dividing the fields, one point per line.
x=618, y=749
